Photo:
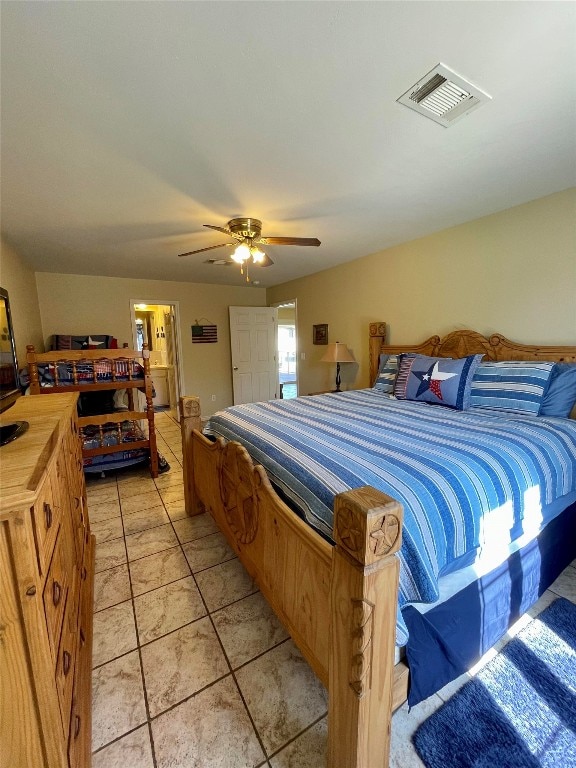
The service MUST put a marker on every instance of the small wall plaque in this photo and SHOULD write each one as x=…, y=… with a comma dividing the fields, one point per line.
x=204, y=334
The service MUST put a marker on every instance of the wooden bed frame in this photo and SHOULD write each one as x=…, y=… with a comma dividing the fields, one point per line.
x=338, y=602
x=111, y=356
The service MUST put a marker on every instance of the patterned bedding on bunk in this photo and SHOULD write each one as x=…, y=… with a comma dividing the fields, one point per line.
x=466, y=479
x=130, y=433
x=87, y=372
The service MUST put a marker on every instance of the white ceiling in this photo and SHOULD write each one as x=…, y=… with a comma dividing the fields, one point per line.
x=126, y=126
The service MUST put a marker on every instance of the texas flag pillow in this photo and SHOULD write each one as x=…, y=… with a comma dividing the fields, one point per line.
x=437, y=380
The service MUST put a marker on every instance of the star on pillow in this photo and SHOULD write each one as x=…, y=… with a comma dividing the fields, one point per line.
x=431, y=380
x=91, y=343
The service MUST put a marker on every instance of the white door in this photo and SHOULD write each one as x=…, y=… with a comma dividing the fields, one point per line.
x=253, y=346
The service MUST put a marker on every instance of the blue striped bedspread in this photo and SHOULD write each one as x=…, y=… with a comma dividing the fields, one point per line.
x=468, y=480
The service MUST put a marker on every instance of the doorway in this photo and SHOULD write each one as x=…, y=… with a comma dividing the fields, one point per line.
x=287, y=351
x=157, y=323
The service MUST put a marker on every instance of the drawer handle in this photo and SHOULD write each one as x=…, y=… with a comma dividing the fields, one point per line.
x=56, y=592
x=48, y=514
x=80, y=464
x=66, y=662
x=77, y=500
x=84, y=573
x=76, y=726
x=82, y=636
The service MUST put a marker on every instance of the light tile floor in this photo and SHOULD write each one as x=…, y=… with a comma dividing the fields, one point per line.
x=191, y=669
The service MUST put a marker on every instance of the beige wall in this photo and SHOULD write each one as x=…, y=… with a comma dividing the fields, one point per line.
x=286, y=315
x=78, y=304
x=513, y=272
x=18, y=279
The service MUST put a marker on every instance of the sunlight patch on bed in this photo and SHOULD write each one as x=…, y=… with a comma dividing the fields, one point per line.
x=533, y=517
x=495, y=527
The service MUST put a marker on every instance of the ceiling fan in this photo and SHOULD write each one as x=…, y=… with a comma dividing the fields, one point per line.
x=247, y=234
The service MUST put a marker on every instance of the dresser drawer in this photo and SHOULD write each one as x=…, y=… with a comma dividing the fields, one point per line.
x=47, y=515
x=79, y=743
x=78, y=521
x=80, y=726
x=55, y=594
x=66, y=663
x=78, y=514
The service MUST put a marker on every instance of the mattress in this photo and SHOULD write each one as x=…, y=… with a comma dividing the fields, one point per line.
x=478, y=478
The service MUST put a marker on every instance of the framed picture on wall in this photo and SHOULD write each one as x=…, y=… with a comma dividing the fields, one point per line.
x=320, y=334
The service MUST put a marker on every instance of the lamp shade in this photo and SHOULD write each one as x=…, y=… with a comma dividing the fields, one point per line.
x=337, y=352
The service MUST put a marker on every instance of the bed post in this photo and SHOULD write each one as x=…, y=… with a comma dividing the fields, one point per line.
x=377, y=338
x=149, y=410
x=32, y=369
x=364, y=593
x=189, y=421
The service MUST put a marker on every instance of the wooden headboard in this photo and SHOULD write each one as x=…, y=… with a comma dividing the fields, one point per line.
x=462, y=343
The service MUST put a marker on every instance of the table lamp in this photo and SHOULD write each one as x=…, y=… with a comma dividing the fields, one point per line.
x=337, y=353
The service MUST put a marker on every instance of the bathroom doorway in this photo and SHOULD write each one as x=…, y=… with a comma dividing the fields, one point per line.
x=157, y=323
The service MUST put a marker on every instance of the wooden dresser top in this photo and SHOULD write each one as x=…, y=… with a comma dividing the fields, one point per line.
x=23, y=462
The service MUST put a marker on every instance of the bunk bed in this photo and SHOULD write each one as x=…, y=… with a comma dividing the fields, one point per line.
x=338, y=594
x=110, y=440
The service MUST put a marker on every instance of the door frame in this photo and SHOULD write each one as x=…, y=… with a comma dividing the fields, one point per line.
x=178, y=340
x=279, y=304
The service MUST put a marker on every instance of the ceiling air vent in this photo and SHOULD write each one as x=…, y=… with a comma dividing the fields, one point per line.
x=443, y=96
x=219, y=262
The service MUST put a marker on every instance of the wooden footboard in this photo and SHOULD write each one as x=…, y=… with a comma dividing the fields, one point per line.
x=338, y=602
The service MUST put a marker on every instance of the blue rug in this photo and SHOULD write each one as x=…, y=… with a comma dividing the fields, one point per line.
x=519, y=711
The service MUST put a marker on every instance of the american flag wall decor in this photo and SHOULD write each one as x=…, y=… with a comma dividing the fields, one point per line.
x=204, y=334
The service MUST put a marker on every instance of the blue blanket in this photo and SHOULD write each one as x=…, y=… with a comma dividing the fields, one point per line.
x=466, y=479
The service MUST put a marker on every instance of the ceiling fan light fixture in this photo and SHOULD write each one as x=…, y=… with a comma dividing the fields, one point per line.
x=247, y=235
x=241, y=254
x=258, y=256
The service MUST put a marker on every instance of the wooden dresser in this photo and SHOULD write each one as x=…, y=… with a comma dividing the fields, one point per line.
x=46, y=590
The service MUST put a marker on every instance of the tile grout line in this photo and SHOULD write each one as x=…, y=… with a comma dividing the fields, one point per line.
x=208, y=615
x=268, y=757
x=149, y=722
x=104, y=746
x=297, y=736
x=231, y=671
x=180, y=544
x=139, y=649
x=138, y=645
x=137, y=642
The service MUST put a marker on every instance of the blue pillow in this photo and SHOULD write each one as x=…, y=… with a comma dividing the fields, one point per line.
x=516, y=386
x=387, y=372
x=438, y=380
x=560, y=397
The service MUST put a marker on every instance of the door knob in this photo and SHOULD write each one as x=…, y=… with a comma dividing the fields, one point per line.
x=235, y=368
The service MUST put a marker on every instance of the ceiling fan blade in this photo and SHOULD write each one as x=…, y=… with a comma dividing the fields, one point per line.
x=223, y=229
x=200, y=250
x=290, y=241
